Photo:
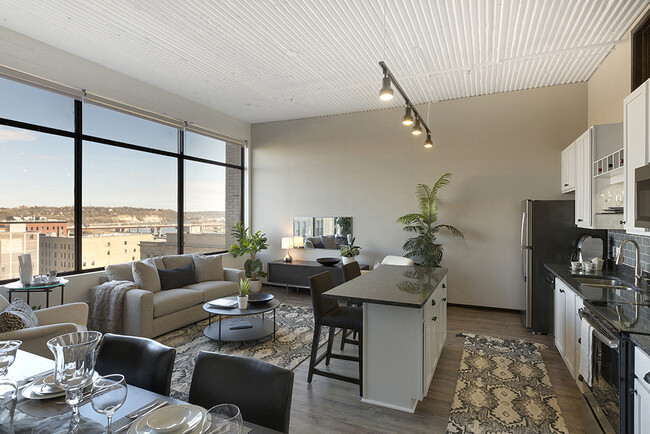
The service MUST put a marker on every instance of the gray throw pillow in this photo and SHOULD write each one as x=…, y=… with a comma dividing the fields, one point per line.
x=329, y=242
x=18, y=315
x=177, y=261
x=208, y=267
x=119, y=271
x=145, y=275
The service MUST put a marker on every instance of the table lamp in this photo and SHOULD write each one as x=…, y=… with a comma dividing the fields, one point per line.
x=287, y=243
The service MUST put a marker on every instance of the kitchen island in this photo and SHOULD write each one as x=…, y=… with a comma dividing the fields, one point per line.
x=404, y=330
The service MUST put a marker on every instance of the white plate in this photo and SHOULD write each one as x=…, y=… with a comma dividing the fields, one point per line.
x=34, y=391
x=195, y=426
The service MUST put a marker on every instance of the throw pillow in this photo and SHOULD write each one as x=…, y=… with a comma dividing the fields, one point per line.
x=145, y=275
x=329, y=242
x=176, y=277
x=176, y=261
x=119, y=272
x=208, y=267
x=18, y=315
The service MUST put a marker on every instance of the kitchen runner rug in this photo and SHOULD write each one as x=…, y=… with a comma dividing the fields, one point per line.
x=292, y=345
x=503, y=387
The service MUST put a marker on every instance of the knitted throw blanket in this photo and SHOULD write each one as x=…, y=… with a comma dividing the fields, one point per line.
x=107, y=315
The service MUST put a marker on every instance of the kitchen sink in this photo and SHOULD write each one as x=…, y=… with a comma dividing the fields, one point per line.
x=604, y=283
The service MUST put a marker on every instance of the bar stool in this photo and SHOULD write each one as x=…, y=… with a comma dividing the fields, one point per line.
x=328, y=313
x=350, y=271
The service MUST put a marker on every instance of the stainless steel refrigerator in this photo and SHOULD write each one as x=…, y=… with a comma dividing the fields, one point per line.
x=548, y=235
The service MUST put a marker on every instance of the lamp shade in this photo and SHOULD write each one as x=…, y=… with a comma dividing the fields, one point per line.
x=298, y=242
x=287, y=242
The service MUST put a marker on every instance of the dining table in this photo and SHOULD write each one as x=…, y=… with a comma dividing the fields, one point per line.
x=36, y=416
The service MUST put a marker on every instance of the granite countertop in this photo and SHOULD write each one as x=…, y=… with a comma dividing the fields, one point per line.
x=641, y=341
x=392, y=285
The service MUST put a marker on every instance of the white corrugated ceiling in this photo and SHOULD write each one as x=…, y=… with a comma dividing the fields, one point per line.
x=269, y=60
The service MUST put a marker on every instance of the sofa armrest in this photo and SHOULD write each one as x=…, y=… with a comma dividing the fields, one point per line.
x=233, y=274
x=69, y=313
x=138, y=313
x=35, y=338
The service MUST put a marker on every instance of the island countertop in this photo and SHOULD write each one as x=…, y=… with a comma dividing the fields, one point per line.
x=392, y=285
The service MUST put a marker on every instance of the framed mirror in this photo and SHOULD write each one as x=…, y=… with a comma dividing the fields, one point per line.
x=322, y=232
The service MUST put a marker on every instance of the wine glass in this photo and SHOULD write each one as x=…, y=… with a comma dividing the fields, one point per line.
x=108, y=395
x=8, y=387
x=225, y=419
x=74, y=363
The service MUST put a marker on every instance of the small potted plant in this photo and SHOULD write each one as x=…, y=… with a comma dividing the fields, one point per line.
x=349, y=252
x=242, y=298
x=251, y=244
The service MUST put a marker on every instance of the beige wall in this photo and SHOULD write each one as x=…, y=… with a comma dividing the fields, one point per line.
x=500, y=148
x=611, y=83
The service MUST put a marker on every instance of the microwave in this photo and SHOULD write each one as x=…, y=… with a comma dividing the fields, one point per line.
x=642, y=197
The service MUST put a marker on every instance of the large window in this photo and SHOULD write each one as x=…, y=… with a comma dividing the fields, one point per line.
x=81, y=192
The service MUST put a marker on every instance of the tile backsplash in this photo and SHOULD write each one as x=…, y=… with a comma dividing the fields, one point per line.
x=616, y=237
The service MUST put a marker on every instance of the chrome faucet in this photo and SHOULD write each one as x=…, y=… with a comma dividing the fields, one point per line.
x=638, y=273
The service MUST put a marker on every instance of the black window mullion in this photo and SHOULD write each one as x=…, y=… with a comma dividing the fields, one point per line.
x=181, y=191
x=78, y=214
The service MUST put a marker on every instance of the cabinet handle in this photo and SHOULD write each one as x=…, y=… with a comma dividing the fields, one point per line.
x=579, y=220
x=433, y=302
x=566, y=185
x=562, y=291
x=579, y=340
x=647, y=378
x=444, y=299
x=434, y=318
x=622, y=222
x=444, y=286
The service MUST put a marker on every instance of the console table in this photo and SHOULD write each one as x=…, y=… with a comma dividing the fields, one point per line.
x=296, y=273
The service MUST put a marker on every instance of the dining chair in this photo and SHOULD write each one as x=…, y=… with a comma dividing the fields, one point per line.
x=261, y=390
x=144, y=362
x=328, y=313
x=350, y=271
x=397, y=260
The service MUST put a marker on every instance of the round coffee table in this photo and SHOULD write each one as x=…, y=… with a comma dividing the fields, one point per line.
x=237, y=330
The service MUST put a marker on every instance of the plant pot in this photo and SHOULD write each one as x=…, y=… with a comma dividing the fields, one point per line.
x=256, y=286
x=242, y=301
x=347, y=260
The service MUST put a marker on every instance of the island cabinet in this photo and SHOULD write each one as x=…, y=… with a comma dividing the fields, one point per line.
x=404, y=330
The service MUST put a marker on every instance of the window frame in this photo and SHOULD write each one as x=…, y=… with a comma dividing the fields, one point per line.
x=79, y=137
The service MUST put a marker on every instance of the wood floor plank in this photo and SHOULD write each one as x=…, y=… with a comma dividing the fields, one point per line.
x=330, y=406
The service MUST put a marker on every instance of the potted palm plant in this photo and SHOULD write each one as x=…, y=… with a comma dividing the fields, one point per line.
x=251, y=244
x=349, y=252
x=423, y=248
x=242, y=298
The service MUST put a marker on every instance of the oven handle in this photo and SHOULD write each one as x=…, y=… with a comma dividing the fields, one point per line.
x=611, y=343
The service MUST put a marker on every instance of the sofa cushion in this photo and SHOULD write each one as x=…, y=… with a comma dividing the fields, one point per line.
x=18, y=315
x=145, y=275
x=173, y=300
x=119, y=271
x=208, y=267
x=177, y=261
x=176, y=277
x=213, y=289
x=329, y=242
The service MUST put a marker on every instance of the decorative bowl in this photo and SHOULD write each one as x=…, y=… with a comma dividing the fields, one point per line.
x=328, y=262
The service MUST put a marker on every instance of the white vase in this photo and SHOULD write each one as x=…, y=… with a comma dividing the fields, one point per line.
x=347, y=260
x=25, y=268
x=242, y=301
x=256, y=286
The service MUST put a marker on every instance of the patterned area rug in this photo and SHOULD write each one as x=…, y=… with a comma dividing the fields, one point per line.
x=295, y=328
x=503, y=387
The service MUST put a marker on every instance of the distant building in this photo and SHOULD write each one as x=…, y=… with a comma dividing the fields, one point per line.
x=15, y=240
x=40, y=225
x=193, y=243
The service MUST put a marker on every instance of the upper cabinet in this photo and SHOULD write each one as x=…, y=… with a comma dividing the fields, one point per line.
x=636, y=123
x=569, y=169
x=592, y=167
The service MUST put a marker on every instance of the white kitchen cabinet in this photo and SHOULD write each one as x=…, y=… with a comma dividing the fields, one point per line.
x=569, y=168
x=567, y=325
x=569, y=330
x=583, y=180
x=560, y=320
x=577, y=333
x=636, y=144
x=641, y=392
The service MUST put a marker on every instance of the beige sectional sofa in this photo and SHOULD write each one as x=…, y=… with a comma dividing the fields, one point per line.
x=150, y=311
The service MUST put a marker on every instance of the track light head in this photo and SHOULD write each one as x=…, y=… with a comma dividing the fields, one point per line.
x=386, y=93
x=408, y=117
x=428, y=144
x=417, y=129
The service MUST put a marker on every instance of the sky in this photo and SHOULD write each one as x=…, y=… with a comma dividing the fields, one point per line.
x=38, y=168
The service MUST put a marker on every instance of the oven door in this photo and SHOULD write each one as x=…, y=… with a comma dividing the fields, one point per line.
x=642, y=197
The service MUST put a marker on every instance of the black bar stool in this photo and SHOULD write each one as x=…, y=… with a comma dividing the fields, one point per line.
x=328, y=313
x=350, y=271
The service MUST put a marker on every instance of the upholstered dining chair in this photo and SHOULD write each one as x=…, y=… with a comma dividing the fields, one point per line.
x=261, y=390
x=397, y=260
x=52, y=322
x=144, y=362
x=350, y=271
x=328, y=313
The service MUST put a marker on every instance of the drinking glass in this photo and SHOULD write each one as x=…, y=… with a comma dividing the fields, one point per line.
x=74, y=363
x=108, y=395
x=225, y=418
x=8, y=387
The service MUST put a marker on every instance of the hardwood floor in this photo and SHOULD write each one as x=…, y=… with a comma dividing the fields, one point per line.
x=328, y=406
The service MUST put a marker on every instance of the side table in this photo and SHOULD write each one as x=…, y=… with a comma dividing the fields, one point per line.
x=43, y=287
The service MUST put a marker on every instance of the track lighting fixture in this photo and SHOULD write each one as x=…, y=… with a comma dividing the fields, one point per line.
x=408, y=117
x=386, y=93
x=428, y=144
x=417, y=129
